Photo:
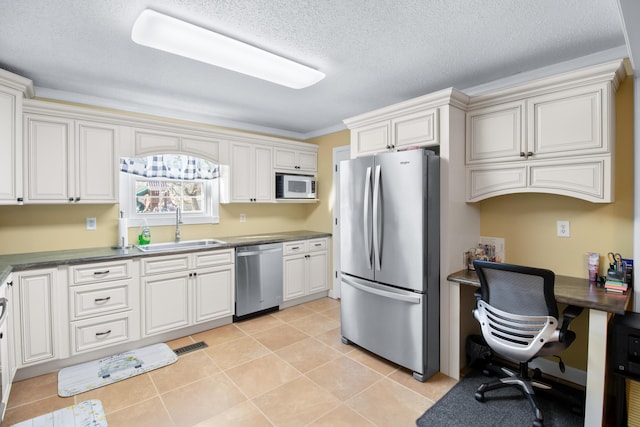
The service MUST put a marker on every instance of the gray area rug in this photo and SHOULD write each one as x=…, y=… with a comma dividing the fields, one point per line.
x=505, y=407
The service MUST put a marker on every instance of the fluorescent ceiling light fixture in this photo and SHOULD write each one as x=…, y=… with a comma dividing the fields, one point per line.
x=153, y=29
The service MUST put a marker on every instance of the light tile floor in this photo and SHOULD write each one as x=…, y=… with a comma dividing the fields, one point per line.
x=287, y=368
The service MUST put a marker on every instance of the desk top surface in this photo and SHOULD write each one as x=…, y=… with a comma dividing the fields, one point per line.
x=568, y=290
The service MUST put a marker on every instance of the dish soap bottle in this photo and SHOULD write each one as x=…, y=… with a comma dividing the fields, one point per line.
x=144, y=238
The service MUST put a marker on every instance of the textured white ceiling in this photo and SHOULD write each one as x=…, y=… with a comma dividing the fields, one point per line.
x=374, y=53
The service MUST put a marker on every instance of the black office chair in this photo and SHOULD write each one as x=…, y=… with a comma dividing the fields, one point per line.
x=518, y=316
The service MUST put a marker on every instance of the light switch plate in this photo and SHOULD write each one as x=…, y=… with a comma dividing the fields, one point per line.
x=91, y=224
x=563, y=229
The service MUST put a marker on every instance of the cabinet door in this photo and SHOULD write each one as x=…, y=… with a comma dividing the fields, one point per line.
x=10, y=149
x=308, y=161
x=49, y=153
x=569, y=122
x=242, y=173
x=166, y=303
x=264, y=177
x=495, y=133
x=97, y=162
x=285, y=159
x=418, y=129
x=213, y=293
x=318, y=271
x=35, y=316
x=370, y=139
x=294, y=276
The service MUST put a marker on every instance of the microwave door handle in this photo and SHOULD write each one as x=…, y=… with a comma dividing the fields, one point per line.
x=377, y=253
x=366, y=227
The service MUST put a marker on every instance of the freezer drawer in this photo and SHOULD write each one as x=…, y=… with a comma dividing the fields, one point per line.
x=386, y=321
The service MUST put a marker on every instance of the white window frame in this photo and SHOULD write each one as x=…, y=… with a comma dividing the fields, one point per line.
x=211, y=214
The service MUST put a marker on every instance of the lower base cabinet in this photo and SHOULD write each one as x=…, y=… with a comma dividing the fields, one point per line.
x=34, y=316
x=183, y=290
x=306, y=266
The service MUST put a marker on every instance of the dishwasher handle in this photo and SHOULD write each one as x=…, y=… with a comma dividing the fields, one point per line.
x=260, y=252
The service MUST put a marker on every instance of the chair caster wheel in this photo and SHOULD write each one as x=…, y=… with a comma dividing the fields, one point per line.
x=479, y=396
x=538, y=423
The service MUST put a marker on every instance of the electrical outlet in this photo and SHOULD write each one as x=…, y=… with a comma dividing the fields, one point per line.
x=91, y=224
x=243, y=217
x=563, y=229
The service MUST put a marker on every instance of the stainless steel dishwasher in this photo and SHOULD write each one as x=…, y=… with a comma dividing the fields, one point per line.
x=258, y=279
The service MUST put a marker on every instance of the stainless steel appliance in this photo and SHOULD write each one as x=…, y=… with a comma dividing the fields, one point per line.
x=390, y=228
x=258, y=279
x=295, y=186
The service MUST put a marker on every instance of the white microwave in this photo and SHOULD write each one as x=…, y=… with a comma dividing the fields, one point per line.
x=289, y=186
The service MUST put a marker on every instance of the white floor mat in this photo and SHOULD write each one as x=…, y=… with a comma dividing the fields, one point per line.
x=85, y=414
x=97, y=373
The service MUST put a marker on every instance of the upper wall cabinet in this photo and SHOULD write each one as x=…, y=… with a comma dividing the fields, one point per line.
x=252, y=178
x=395, y=129
x=152, y=141
x=295, y=160
x=12, y=90
x=70, y=161
x=554, y=135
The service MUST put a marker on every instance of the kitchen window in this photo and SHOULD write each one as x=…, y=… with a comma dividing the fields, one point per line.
x=152, y=189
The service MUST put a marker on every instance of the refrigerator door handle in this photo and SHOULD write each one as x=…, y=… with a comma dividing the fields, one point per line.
x=365, y=220
x=377, y=255
x=380, y=292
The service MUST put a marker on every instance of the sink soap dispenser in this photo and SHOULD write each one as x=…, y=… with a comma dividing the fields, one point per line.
x=144, y=238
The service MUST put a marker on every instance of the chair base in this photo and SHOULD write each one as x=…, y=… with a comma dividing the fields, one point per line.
x=521, y=382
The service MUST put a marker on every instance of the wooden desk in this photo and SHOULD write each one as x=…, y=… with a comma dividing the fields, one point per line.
x=568, y=290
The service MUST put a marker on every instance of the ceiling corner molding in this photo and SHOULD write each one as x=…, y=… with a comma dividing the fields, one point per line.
x=609, y=55
x=16, y=82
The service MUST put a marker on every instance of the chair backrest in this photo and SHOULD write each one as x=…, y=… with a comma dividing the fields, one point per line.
x=517, y=289
x=517, y=311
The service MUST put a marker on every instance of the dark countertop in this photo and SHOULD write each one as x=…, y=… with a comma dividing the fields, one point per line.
x=35, y=260
x=568, y=290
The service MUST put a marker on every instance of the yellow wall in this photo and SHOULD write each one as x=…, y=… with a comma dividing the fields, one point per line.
x=528, y=223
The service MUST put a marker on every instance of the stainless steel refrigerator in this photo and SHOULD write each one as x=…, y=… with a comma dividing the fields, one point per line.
x=390, y=257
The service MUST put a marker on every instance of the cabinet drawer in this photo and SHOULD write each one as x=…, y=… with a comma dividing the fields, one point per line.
x=318, y=245
x=100, y=272
x=292, y=248
x=97, y=299
x=103, y=331
x=166, y=264
x=213, y=258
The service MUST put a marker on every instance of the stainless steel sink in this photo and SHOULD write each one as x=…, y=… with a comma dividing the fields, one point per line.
x=185, y=244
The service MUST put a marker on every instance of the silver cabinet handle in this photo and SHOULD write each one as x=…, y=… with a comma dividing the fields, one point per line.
x=102, y=299
x=98, y=334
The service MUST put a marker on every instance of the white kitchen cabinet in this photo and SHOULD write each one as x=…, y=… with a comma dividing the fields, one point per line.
x=104, y=305
x=70, y=161
x=186, y=289
x=554, y=136
x=496, y=133
x=395, y=131
x=252, y=178
x=294, y=160
x=34, y=316
x=154, y=141
x=12, y=90
x=306, y=267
